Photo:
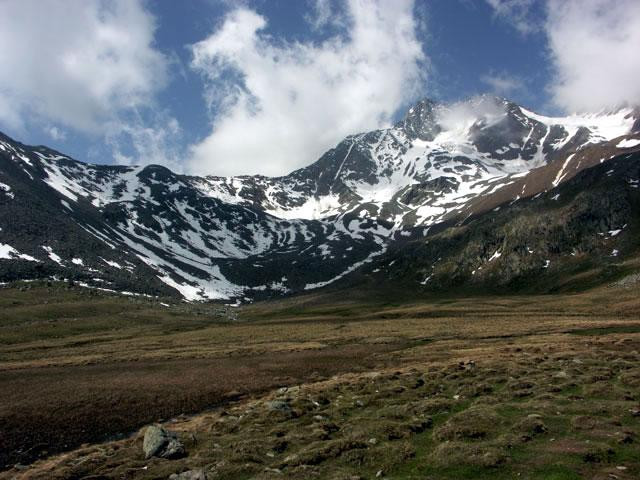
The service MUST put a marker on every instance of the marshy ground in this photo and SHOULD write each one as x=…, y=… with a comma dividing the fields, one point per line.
x=537, y=387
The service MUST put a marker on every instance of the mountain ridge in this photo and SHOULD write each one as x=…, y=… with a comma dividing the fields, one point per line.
x=156, y=232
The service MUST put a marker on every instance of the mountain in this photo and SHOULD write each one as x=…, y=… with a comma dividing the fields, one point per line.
x=402, y=194
x=584, y=233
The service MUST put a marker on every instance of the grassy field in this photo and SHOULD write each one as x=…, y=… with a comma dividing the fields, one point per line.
x=536, y=387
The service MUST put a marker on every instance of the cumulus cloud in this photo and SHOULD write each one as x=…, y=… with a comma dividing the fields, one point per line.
x=595, y=48
x=80, y=65
x=503, y=83
x=279, y=105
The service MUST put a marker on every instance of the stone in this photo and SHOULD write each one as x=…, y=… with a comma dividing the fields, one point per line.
x=162, y=443
x=190, y=475
x=419, y=383
x=278, y=406
x=295, y=390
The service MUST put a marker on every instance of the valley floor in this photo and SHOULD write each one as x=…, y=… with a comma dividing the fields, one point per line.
x=322, y=386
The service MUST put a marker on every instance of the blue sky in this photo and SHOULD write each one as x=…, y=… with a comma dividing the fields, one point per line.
x=222, y=87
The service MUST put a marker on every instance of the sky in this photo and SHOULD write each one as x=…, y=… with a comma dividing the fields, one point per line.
x=221, y=87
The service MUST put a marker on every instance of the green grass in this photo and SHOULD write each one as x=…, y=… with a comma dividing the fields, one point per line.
x=555, y=472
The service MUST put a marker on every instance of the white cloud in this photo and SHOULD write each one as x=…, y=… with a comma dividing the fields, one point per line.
x=55, y=133
x=76, y=64
x=8, y=113
x=324, y=13
x=460, y=116
x=321, y=14
x=151, y=140
x=503, y=83
x=280, y=105
x=595, y=48
x=516, y=12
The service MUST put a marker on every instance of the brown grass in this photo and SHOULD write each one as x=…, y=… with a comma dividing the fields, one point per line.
x=122, y=364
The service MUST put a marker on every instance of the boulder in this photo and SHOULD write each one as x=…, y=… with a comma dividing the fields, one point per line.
x=281, y=407
x=190, y=475
x=162, y=443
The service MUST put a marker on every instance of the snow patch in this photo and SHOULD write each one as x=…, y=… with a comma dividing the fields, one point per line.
x=561, y=173
x=111, y=263
x=7, y=190
x=311, y=286
x=495, y=255
x=628, y=143
x=52, y=255
x=9, y=253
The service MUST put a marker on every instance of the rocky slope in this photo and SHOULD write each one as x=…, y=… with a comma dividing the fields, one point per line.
x=148, y=230
x=581, y=234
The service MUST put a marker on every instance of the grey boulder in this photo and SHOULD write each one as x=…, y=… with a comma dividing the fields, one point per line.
x=162, y=443
x=280, y=407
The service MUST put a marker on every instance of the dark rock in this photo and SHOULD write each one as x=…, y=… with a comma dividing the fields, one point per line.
x=281, y=407
x=162, y=443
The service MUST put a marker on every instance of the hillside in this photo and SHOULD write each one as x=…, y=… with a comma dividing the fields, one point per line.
x=582, y=234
